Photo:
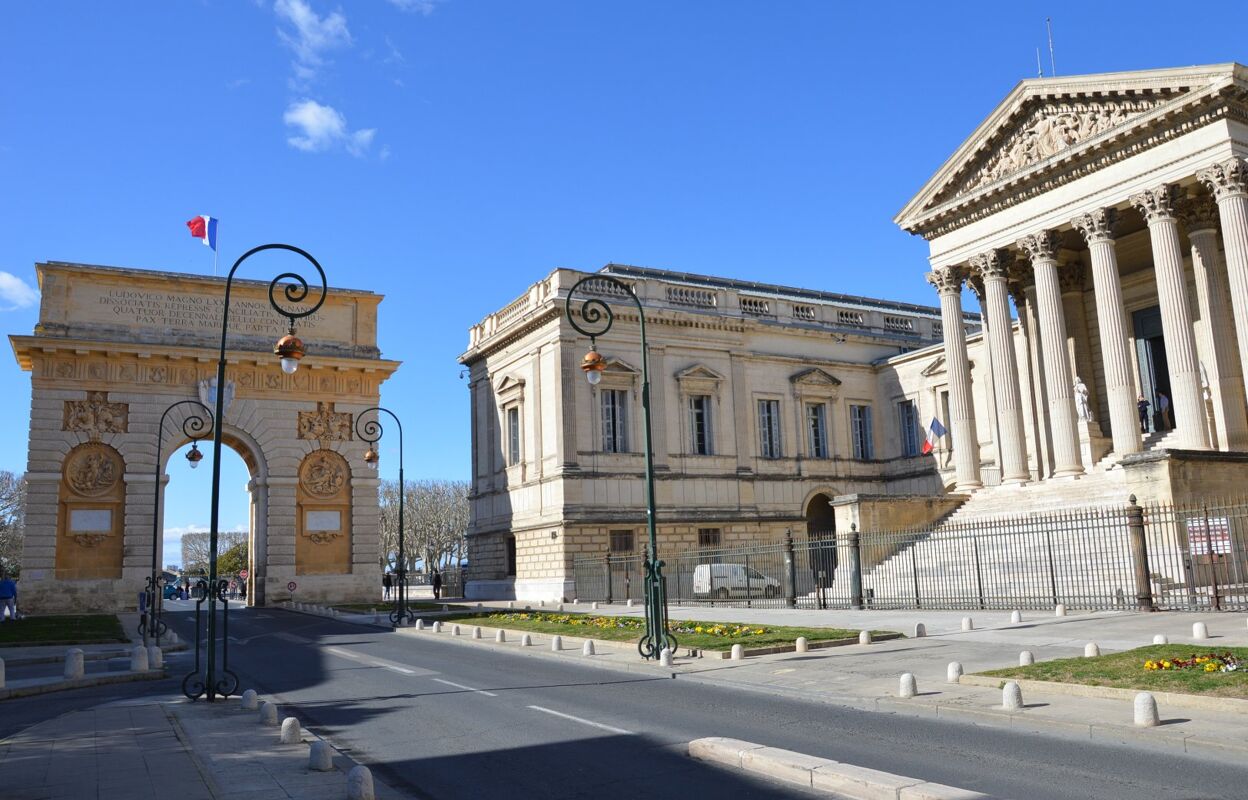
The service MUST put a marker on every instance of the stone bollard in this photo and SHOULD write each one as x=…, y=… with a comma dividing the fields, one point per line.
x=511, y=603
x=1016, y=617
x=268, y=714
x=320, y=757
x=593, y=606
x=528, y=608
x=73, y=665
x=251, y=701
x=1026, y=658
x=953, y=674
x=1012, y=697
x=291, y=733
x=1160, y=639
x=801, y=645
x=576, y=601
x=454, y=630
x=526, y=640
x=1146, y=711
x=420, y=624
x=1091, y=650
x=173, y=637
x=476, y=631
x=1059, y=610
x=864, y=637
x=155, y=657
x=376, y=618
x=478, y=606
x=630, y=602
x=587, y=649
x=541, y=603
x=1, y=673
x=500, y=636
x=920, y=630
x=1200, y=630
x=556, y=643
x=559, y=608
x=360, y=783
x=909, y=687
x=665, y=656
x=738, y=652
x=445, y=607
x=437, y=626
x=968, y=624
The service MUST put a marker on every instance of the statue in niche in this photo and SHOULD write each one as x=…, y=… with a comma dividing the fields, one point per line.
x=1081, y=400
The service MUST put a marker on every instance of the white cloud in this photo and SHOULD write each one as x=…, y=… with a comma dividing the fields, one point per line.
x=320, y=128
x=425, y=7
x=16, y=293
x=309, y=35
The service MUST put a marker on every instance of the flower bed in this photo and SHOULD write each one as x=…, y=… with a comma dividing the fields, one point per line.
x=1212, y=662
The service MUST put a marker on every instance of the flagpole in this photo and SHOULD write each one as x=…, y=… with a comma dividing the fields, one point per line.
x=216, y=249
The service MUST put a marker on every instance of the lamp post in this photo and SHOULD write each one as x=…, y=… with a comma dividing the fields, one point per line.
x=195, y=426
x=290, y=350
x=371, y=432
x=598, y=316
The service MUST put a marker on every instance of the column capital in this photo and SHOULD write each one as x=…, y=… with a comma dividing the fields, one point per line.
x=1041, y=246
x=947, y=280
x=1070, y=277
x=1226, y=178
x=1156, y=204
x=1097, y=226
x=992, y=265
x=1198, y=211
x=976, y=284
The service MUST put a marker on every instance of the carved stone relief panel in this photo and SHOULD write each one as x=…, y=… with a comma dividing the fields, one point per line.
x=323, y=474
x=325, y=424
x=95, y=416
x=93, y=470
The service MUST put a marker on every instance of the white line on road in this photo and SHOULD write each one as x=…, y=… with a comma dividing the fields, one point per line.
x=466, y=688
x=589, y=722
x=372, y=662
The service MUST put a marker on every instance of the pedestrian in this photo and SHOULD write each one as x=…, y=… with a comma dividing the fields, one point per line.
x=1163, y=408
x=1143, y=405
x=386, y=583
x=8, y=598
x=437, y=584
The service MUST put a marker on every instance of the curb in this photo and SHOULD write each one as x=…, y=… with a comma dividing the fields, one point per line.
x=822, y=774
x=1231, y=705
x=46, y=685
x=98, y=655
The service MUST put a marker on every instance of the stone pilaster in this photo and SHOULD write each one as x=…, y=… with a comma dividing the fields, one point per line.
x=948, y=283
x=992, y=269
x=1188, y=406
x=1041, y=248
x=1097, y=229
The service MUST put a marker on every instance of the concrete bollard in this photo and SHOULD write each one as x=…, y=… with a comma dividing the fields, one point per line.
x=445, y=607
x=478, y=606
x=665, y=656
x=476, y=632
x=920, y=630
x=801, y=645
x=528, y=608
x=909, y=687
x=1200, y=630
x=576, y=601
x=437, y=626
x=1026, y=658
x=251, y=701
x=630, y=602
x=360, y=783
x=953, y=674
x=320, y=757
x=1059, y=610
x=526, y=640
x=454, y=630
x=511, y=603
x=376, y=618
x=864, y=637
x=1146, y=711
x=1160, y=639
x=420, y=624
x=1016, y=617
x=268, y=714
x=155, y=657
x=500, y=636
x=556, y=643
x=1091, y=650
x=738, y=652
x=173, y=637
x=593, y=606
x=559, y=608
x=1012, y=697
x=968, y=624
x=541, y=603
x=74, y=668
x=587, y=649
x=291, y=732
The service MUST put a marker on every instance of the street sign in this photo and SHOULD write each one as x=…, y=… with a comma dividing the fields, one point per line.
x=242, y=573
x=233, y=584
x=290, y=587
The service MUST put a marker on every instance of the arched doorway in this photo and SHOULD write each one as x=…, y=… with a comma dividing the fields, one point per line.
x=821, y=534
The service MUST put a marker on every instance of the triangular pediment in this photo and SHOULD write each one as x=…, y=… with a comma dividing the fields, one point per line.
x=698, y=372
x=934, y=367
x=1046, y=124
x=510, y=383
x=620, y=365
x=814, y=377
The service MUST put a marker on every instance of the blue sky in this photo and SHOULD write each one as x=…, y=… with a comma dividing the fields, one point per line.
x=447, y=153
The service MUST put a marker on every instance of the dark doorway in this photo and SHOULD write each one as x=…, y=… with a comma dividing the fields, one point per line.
x=821, y=535
x=1150, y=351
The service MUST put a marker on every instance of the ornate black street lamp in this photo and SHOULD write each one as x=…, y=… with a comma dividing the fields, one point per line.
x=597, y=314
x=371, y=432
x=195, y=426
x=290, y=350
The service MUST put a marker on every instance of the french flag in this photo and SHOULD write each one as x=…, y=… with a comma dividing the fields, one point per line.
x=204, y=228
x=934, y=432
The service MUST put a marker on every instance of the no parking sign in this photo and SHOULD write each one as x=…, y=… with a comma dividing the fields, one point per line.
x=290, y=587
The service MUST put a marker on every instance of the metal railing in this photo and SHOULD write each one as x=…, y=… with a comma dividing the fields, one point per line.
x=1189, y=557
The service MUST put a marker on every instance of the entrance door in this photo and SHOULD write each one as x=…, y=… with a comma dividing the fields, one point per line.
x=821, y=555
x=1150, y=351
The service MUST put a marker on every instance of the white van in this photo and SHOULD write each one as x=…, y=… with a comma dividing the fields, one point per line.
x=732, y=580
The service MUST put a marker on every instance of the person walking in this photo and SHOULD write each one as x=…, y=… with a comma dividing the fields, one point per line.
x=1163, y=408
x=437, y=584
x=8, y=598
x=1143, y=405
x=386, y=583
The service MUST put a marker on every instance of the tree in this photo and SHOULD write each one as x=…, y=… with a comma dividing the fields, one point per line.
x=435, y=520
x=195, y=549
x=12, y=521
x=234, y=560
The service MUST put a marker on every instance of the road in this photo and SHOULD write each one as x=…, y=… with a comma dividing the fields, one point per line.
x=452, y=720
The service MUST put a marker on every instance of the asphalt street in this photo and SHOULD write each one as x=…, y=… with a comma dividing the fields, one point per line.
x=447, y=719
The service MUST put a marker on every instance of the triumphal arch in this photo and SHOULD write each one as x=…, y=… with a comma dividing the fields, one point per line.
x=113, y=349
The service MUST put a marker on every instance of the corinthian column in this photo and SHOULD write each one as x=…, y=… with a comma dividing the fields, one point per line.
x=1041, y=248
x=948, y=283
x=1097, y=229
x=1224, y=378
x=993, y=270
x=1157, y=208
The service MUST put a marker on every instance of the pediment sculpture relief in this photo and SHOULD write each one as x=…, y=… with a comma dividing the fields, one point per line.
x=325, y=424
x=96, y=416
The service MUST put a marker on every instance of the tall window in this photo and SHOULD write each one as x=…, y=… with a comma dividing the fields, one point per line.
x=621, y=541
x=817, y=430
x=708, y=537
x=700, y=424
x=513, y=436
x=908, y=419
x=511, y=555
x=860, y=431
x=614, y=420
x=769, y=428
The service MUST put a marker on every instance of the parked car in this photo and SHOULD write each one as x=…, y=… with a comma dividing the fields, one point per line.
x=732, y=580
x=169, y=591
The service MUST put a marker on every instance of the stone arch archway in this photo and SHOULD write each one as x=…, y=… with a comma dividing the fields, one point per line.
x=821, y=533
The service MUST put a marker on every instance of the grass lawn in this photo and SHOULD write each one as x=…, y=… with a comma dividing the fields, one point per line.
x=387, y=606
x=629, y=629
x=70, y=629
x=1126, y=670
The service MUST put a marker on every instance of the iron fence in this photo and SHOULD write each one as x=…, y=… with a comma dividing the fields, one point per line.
x=1188, y=557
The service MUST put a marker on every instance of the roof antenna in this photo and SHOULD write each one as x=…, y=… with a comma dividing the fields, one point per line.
x=1039, y=69
x=1048, y=24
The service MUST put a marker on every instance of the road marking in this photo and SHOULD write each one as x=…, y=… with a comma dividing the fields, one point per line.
x=372, y=662
x=466, y=688
x=589, y=722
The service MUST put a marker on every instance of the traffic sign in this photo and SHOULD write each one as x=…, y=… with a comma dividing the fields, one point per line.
x=290, y=587
x=233, y=584
x=242, y=573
